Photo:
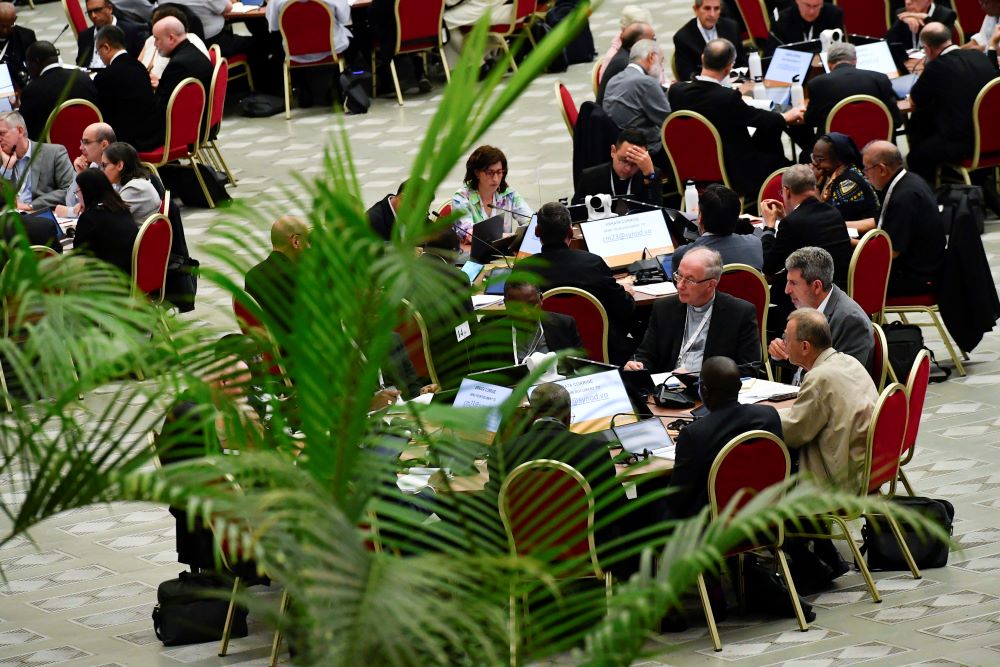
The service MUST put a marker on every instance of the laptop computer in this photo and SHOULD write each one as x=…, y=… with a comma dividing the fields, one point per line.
x=484, y=235
x=902, y=85
x=496, y=281
x=646, y=434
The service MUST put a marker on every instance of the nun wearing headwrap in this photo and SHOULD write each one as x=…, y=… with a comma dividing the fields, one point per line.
x=837, y=164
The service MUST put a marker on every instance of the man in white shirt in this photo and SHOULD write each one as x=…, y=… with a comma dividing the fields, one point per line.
x=101, y=14
x=459, y=14
x=984, y=39
x=707, y=24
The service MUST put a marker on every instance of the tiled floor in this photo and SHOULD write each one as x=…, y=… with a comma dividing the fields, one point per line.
x=83, y=595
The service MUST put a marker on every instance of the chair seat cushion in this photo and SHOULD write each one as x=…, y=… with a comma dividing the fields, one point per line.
x=156, y=155
x=985, y=160
x=927, y=300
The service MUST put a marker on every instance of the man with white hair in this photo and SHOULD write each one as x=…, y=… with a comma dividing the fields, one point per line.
x=707, y=24
x=912, y=18
x=634, y=98
x=170, y=39
x=41, y=172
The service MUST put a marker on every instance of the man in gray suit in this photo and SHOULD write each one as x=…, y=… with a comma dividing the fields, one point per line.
x=718, y=213
x=809, y=283
x=634, y=98
x=42, y=173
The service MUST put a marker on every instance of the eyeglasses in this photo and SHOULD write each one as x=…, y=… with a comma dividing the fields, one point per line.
x=818, y=158
x=865, y=170
x=87, y=142
x=97, y=10
x=690, y=282
x=494, y=172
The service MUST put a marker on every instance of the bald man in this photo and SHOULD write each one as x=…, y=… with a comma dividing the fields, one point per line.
x=170, y=40
x=51, y=84
x=272, y=282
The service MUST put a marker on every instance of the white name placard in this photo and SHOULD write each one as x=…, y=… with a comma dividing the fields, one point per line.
x=622, y=240
x=473, y=394
x=595, y=399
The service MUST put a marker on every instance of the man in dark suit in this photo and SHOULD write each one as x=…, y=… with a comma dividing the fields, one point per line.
x=701, y=323
x=749, y=160
x=272, y=282
x=701, y=441
x=630, y=35
x=910, y=217
x=803, y=22
x=101, y=13
x=14, y=42
x=690, y=40
x=805, y=221
x=559, y=266
x=51, y=84
x=941, y=127
x=125, y=95
x=844, y=80
x=911, y=19
x=630, y=173
x=382, y=214
x=170, y=38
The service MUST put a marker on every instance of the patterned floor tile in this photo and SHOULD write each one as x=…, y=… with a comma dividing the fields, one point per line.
x=48, y=656
x=133, y=540
x=977, y=538
x=977, y=485
x=937, y=662
x=911, y=611
x=165, y=557
x=18, y=636
x=849, y=655
x=42, y=582
x=114, y=522
x=858, y=592
x=84, y=598
x=107, y=619
x=732, y=651
x=37, y=559
x=982, y=564
x=139, y=638
x=944, y=466
x=968, y=627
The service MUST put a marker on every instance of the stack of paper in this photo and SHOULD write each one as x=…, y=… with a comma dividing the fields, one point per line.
x=755, y=391
x=657, y=289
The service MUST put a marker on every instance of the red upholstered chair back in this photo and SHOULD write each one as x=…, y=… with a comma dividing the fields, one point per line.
x=567, y=106
x=217, y=96
x=865, y=17
x=75, y=16
x=879, y=366
x=165, y=203
x=970, y=14
x=747, y=283
x=245, y=319
x=987, y=131
x=522, y=12
x=756, y=18
x=885, y=437
x=418, y=25
x=868, y=276
x=214, y=54
x=861, y=117
x=547, y=509
x=151, y=254
x=249, y=324
x=694, y=148
x=916, y=391
x=591, y=318
x=69, y=120
x=185, y=112
x=771, y=189
x=306, y=27
x=747, y=465
x=416, y=340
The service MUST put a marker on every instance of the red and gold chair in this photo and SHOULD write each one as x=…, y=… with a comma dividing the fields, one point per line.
x=521, y=19
x=868, y=275
x=591, y=318
x=75, y=17
x=567, y=106
x=771, y=188
x=67, y=122
x=865, y=17
x=595, y=77
x=419, y=25
x=150, y=257
x=970, y=13
x=417, y=341
x=757, y=20
x=209, y=148
x=879, y=368
x=306, y=28
x=916, y=392
x=986, y=149
x=928, y=305
x=861, y=117
x=694, y=148
x=745, y=282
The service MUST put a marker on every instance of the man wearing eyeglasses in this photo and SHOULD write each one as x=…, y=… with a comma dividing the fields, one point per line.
x=41, y=173
x=102, y=13
x=700, y=323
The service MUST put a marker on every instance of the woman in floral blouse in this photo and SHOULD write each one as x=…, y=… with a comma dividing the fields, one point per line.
x=486, y=193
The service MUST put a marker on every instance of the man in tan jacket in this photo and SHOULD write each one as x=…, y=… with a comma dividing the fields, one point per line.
x=829, y=421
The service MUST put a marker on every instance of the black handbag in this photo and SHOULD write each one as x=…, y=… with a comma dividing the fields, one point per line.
x=182, y=282
x=904, y=343
x=192, y=609
x=883, y=552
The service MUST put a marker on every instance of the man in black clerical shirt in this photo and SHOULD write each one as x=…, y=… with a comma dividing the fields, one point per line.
x=14, y=43
x=707, y=24
x=629, y=174
x=272, y=283
x=803, y=22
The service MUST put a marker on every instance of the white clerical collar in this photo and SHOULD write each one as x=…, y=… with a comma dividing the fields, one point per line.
x=705, y=308
x=702, y=77
x=951, y=48
x=48, y=67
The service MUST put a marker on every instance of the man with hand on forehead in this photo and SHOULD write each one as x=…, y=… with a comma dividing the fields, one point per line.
x=630, y=173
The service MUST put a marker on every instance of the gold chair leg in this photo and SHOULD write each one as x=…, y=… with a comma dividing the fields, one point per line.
x=222, y=162
x=227, y=629
x=6, y=394
x=898, y=534
x=512, y=628
x=906, y=482
x=276, y=642
x=395, y=81
x=507, y=54
x=246, y=68
x=374, y=75
x=965, y=176
x=859, y=559
x=288, y=91
x=709, y=616
x=946, y=337
x=444, y=61
x=201, y=182
x=787, y=574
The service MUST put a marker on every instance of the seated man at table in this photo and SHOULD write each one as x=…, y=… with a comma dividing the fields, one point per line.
x=707, y=24
x=272, y=282
x=702, y=322
x=634, y=97
x=102, y=13
x=524, y=329
x=803, y=22
x=170, y=37
x=912, y=18
x=718, y=214
x=42, y=172
x=51, y=84
x=618, y=62
x=809, y=283
x=910, y=217
x=630, y=173
x=701, y=441
x=557, y=265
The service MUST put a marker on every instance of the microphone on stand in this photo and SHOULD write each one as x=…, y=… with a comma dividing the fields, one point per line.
x=487, y=244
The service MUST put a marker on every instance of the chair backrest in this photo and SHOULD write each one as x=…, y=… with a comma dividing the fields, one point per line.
x=75, y=16
x=306, y=27
x=865, y=17
x=151, y=254
x=595, y=77
x=217, y=96
x=694, y=147
x=165, y=203
x=771, y=188
x=747, y=283
x=417, y=341
x=591, y=318
x=878, y=367
x=970, y=14
x=214, y=54
x=861, y=117
x=566, y=105
x=916, y=392
x=523, y=10
x=185, y=112
x=245, y=318
x=957, y=34
x=984, y=115
x=748, y=464
x=547, y=510
x=756, y=18
x=885, y=438
x=43, y=251
x=868, y=275
x=68, y=121
x=418, y=25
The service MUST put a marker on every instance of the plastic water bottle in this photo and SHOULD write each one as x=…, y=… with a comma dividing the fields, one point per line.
x=756, y=72
x=798, y=96
x=759, y=91
x=691, y=197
